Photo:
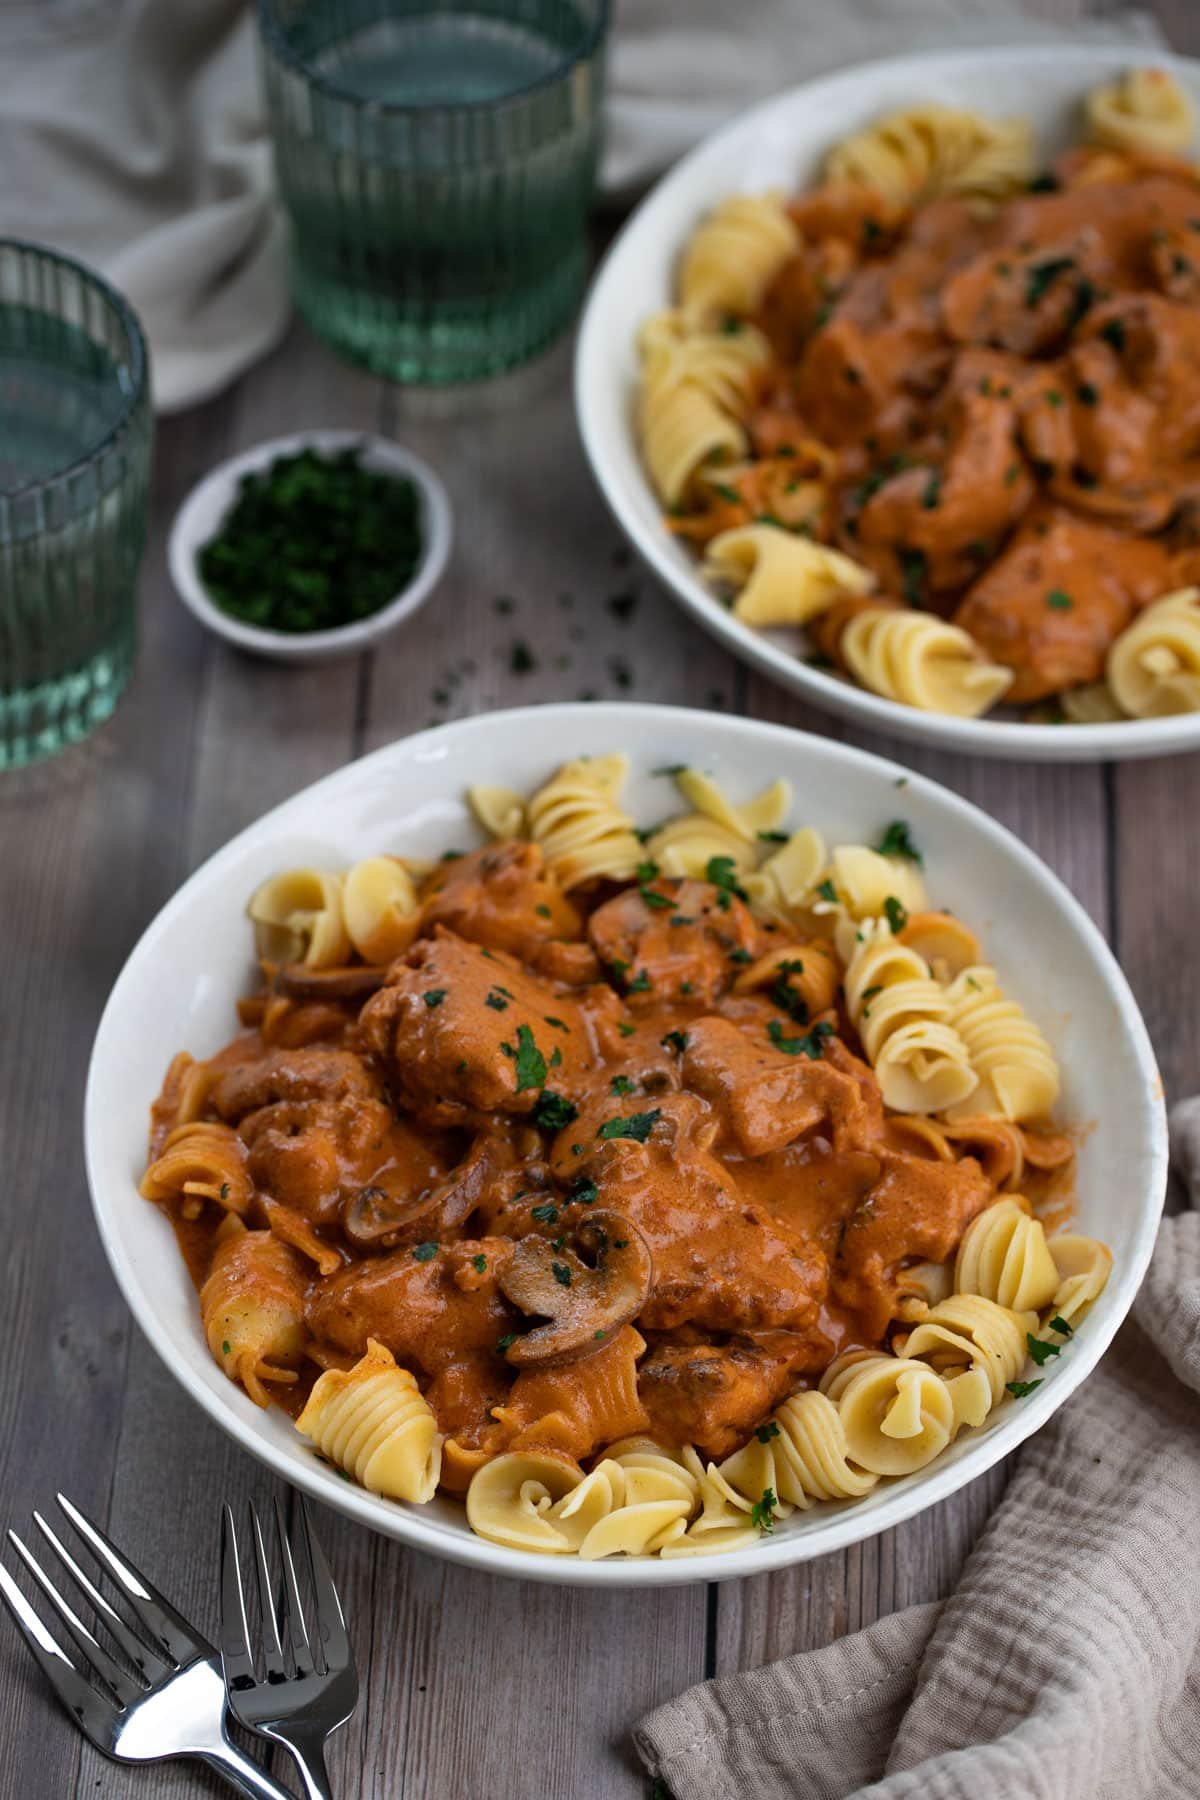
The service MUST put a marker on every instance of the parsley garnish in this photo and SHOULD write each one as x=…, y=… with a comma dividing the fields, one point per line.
x=225, y=1348
x=1059, y=599
x=897, y=915
x=552, y=1112
x=543, y=912
x=897, y=841
x=772, y=837
x=808, y=1045
x=912, y=576
x=546, y=1214
x=722, y=872
x=637, y=1126
x=640, y=983
x=675, y=1040
x=646, y=871
x=434, y=996
x=740, y=956
x=561, y=1273
x=425, y=1252
x=727, y=493
x=223, y=1191
x=479, y=1264
x=625, y=1029
x=764, y=1433
x=531, y=1064
x=1114, y=333
x=502, y=1344
x=933, y=491
x=1059, y=1324
x=583, y=1191
x=1019, y=1389
x=651, y=898
x=1087, y=394
x=1040, y=1350
x=827, y=890
x=671, y=769
x=1042, y=276
x=621, y=1084
x=558, y=1024
x=762, y=1513
x=496, y=1001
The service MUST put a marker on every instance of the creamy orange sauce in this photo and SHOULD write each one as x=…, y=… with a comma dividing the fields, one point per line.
x=532, y=1063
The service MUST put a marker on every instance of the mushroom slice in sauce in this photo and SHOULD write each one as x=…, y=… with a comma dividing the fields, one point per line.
x=354, y=982
x=584, y=1302
x=373, y=1218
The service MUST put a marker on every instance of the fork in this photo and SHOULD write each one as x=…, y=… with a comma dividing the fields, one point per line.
x=175, y=1703
x=302, y=1697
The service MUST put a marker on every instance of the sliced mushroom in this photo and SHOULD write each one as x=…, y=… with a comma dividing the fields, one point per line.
x=584, y=1302
x=374, y=1219
x=351, y=982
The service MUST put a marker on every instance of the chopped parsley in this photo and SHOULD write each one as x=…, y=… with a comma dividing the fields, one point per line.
x=531, y=1064
x=583, y=1191
x=502, y=1344
x=650, y=897
x=546, y=1214
x=913, y=565
x=772, y=837
x=897, y=841
x=1019, y=1389
x=479, y=1264
x=223, y=1191
x=496, y=1001
x=1059, y=1324
x=808, y=1045
x=558, y=1024
x=726, y=493
x=1114, y=333
x=675, y=1040
x=225, y=1348
x=552, y=1112
x=740, y=956
x=543, y=912
x=1059, y=599
x=425, y=1252
x=646, y=871
x=827, y=890
x=1087, y=394
x=621, y=1084
x=764, y=1433
x=640, y=983
x=561, y=1273
x=933, y=491
x=626, y=1030
x=1040, y=1350
x=1053, y=397
x=722, y=872
x=1042, y=276
x=762, y=1513
x=434, y=996
x=896, y=914
x=671, y=769
x=637, y=1126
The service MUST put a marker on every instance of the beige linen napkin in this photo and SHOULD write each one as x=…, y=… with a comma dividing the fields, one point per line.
x=1067, y=1664
x=132, y=134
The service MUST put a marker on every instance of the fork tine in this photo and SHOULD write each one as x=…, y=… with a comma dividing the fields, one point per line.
x=96, y=1717
x=152, y=1667
x=121, y=1685
x=235, y=1630
x=293, y=1606
x=334, y=1639
x=272, y=1648
x=171, y=1632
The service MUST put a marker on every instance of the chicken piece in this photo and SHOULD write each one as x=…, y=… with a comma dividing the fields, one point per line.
x=764, y=1097
x=678, y=949
x=851, y=379
x=502, y=896
x=719, y=1261
x=429, y=1313
x=916, y=1212
x=293, y=1075
x=1053, y=602
x=464, y=1030
x=1157, y=342
x=1026, y=300
x=714, y=1395
x=943, y=511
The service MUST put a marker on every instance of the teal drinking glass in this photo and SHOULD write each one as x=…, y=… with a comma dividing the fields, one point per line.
x=437, y=160
x=75, y=439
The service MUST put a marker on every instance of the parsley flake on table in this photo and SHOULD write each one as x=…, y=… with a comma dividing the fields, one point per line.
x=434, y=996
x=897, y=840
x=552, y=1112
x=1040, y=1350
x=1019, y=1389
x=762, y=1513
x=637, y=1126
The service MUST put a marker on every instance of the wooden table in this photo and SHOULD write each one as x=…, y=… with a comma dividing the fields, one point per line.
x=473, y=1688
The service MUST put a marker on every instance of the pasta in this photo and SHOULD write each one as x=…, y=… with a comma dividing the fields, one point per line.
x=298, y=918
x=1154, y=666
x=557, y=1190
x=373, y=1421
x=902, y=1016
x=1014, y=1065
x=577, y=821
x=931, y=150
x=1146, y=110
x=734, y=255
x=922, y=661
x=928, y=413
x=782, y=579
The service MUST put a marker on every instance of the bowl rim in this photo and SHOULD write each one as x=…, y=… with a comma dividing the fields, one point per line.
x=138, y=361
x=437, y=519
x=835, y=1531
x=1010, y=739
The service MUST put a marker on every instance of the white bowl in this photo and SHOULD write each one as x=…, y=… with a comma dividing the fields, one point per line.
x=199, y=519
x=177, y=991
x=781, y=144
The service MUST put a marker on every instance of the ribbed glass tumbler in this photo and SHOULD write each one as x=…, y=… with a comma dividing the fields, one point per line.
x=75, y=439
x=437, y=160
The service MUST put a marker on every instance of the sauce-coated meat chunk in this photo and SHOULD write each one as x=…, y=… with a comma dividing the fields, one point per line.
x=462, y=1030
x=763, y=1097
x=502, y=896
x=676, y=944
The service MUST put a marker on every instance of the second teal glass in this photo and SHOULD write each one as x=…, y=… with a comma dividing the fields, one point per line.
x=437, y=162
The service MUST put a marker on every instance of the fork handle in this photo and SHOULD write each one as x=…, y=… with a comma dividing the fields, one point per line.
x=243, y=1773
x=308, y=1754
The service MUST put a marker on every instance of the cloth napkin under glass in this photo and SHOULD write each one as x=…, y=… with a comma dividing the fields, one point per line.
x=132, y=134
x=1066, y=1666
